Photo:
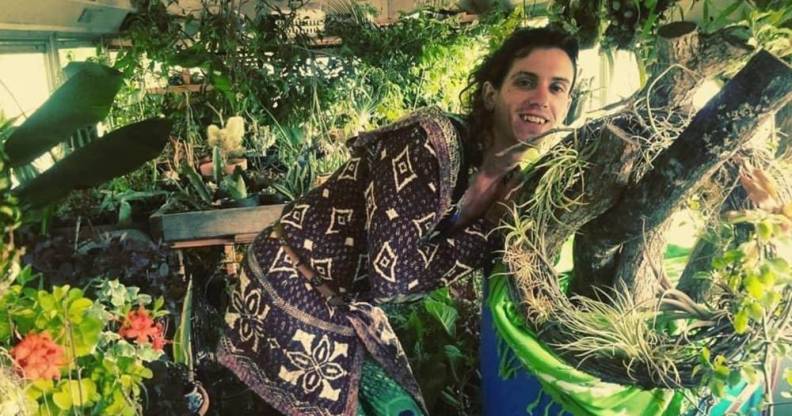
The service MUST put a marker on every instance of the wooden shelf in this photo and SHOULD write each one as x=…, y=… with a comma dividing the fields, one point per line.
x=178, y=89
x=326, y=41
x=119, y=43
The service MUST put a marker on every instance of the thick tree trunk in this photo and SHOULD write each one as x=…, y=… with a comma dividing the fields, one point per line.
x=635, y=176
x=715, y=134
x=609, y=165
x=689, y=59
x=724, y=194
x=684, y=61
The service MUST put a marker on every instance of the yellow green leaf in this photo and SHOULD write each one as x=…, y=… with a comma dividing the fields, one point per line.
x=754, y=286
x=764, y=231
x=770, y=299
x=741, y=321
x=705, y=354
x=77, y=309
x=755, y=310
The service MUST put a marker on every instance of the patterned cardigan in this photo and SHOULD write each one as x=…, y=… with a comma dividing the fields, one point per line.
x=373, y=232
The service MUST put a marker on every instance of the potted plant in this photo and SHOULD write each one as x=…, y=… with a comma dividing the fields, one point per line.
x=227, y=149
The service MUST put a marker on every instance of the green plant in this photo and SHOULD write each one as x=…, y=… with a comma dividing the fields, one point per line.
x=182, y=341
x=227, y=139
x=198, y=193
x=226, y=144
x=78, y=355
x=440, y=335
x=83, y=100
x=119, y=202
x=216, y=184
x=255, y=60
x=10, y=217
x=755, y=282
x=299, y=179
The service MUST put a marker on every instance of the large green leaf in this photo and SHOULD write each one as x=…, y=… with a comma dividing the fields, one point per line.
x=117, y=153
x=83, y=100
x=182, y=341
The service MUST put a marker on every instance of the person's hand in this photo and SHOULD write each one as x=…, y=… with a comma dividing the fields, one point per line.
x=504, y=196
x=498, y=164
x=494, y=185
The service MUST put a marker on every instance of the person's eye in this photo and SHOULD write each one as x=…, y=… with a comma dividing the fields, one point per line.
x=557, y=88
x=524, y=82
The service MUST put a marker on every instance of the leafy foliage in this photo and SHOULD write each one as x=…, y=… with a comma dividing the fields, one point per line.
x=301, y=100
x=752, y=280
x=92, y=85
x=134, y=261
x=440, y=334
x=102, y=372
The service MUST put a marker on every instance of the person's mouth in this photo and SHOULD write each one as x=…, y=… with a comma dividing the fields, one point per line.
x=533, y=118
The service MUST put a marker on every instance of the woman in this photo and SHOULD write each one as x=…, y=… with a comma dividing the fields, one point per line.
x=405, y=215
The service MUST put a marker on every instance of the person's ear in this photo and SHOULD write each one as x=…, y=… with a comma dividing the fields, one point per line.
x=488, y=94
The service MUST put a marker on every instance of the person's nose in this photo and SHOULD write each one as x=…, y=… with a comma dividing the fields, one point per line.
x=540, y=97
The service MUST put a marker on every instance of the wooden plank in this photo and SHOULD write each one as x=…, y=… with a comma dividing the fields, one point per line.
x=207, y=242
x=204, y=242
x=218, y=227
x=178, y=89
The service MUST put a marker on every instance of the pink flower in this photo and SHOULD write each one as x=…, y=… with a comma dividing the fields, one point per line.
x=37, y=356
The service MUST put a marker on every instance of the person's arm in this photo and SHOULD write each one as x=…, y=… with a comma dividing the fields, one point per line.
x=492, y=186
x=401, y=203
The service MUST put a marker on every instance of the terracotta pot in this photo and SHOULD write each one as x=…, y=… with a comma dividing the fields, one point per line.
x=205, y=167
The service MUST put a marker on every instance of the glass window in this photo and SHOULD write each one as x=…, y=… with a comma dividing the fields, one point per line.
x=80, y=54
x=23, y=83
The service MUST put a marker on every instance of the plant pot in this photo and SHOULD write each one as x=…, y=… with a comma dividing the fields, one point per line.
x=197, y=400
x=206, y=166
x=214, y=224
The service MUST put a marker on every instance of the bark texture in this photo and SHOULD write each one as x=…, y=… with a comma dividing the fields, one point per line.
x=623, y=201
x=636, y=176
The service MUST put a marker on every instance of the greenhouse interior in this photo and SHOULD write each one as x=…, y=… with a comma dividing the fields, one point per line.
x=396, y=207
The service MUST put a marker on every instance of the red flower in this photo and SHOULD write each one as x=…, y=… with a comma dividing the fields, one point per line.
x=37, y=356
x=158, y=340
x=139, y=325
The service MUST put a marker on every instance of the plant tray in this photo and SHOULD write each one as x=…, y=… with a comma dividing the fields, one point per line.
x=213, y=227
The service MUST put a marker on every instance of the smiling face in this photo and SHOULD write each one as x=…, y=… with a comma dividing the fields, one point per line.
x=533, y=98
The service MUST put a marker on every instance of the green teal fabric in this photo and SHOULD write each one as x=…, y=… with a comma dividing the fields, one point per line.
x=380, y=395
x=577, y=392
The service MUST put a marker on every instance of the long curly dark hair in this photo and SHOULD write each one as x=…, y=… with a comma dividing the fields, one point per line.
x=496, y=65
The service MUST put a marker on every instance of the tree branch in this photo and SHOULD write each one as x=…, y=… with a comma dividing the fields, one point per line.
x=714, y=135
